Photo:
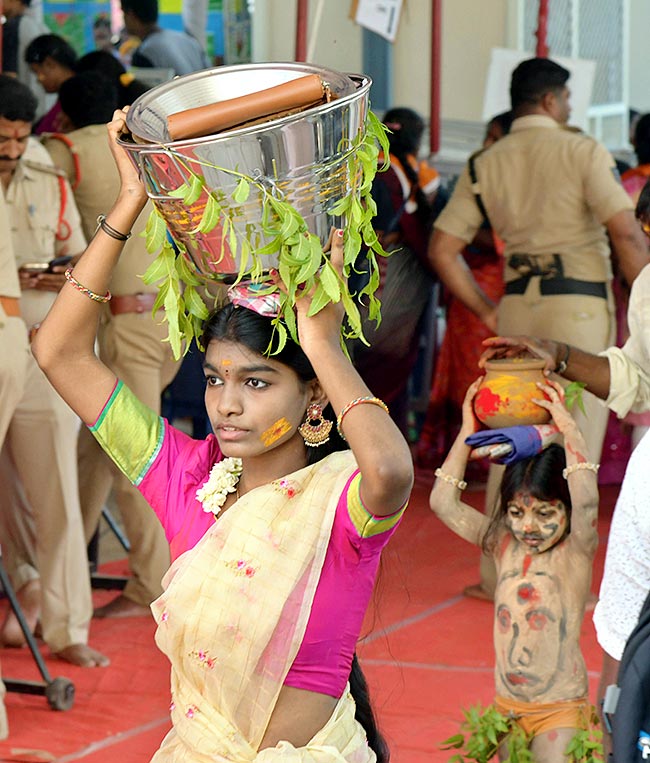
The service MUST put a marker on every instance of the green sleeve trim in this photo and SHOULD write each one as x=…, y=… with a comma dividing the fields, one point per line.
x=130, y=433
x=367, y=524
x=105, y=409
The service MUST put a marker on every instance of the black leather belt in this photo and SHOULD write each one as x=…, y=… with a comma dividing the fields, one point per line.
x=549, y=286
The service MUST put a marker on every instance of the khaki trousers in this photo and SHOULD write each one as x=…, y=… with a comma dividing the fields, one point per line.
x=581, y=321
x=132, y=346
x=18, y=525
x=40, y=518
x=14, y=354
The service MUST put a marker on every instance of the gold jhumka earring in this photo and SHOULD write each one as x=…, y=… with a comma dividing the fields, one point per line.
x=315, y=429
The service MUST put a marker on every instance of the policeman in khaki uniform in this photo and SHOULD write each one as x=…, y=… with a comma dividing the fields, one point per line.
x=39, y=450
x=130, y=340
x=14, y=355
x=552, y=195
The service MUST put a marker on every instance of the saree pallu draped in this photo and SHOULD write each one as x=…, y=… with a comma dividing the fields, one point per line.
x=234, y=613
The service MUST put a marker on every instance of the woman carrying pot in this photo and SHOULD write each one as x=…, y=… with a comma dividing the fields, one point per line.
x=275, y=526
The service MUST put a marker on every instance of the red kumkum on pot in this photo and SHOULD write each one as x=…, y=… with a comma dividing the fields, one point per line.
x=505, y=397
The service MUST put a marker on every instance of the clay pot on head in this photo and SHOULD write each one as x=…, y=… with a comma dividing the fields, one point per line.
x=505, y=397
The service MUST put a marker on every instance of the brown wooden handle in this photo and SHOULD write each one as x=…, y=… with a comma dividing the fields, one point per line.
x=206, y=120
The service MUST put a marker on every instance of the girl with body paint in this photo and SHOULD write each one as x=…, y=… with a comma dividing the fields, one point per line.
x=275, y=522
x=543, y=537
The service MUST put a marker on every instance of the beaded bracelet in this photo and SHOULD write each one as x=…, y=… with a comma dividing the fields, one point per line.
x=109, y=230
x=577, y=467
x=460, y=484
x=87, y=292
x=359, y=401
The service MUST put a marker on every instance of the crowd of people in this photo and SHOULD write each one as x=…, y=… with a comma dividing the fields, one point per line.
x=558, y=282
x=57, y=176
x=309, y=469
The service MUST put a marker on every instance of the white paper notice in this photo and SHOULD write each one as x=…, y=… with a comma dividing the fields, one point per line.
x=380, y=16
x=497, y=86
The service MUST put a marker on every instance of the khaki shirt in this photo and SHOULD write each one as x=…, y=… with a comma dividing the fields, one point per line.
x=97, y=189
x=9, y=284
x=629, y=366
x=34, y=201
x=547, y=190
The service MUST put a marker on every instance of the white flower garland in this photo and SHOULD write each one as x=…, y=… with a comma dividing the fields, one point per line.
x=223, y=479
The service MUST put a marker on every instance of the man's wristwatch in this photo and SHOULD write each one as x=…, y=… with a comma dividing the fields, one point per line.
x=561, y=366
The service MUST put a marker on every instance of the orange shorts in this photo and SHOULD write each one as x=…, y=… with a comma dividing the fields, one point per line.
x=538, y=717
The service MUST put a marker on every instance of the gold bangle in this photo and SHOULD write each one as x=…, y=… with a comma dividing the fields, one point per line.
x=579, y=466
x=359, y=401
x=460, y=484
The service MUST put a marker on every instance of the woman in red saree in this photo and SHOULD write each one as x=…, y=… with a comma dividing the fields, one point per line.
x=457, y=363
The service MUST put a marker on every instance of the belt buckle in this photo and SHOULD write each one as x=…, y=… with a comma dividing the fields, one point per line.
x=543, y=265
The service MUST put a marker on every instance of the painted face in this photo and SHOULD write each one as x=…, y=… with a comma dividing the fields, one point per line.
x=255, y=403
x=539, y=525
x=529, y=634
x=13, y=142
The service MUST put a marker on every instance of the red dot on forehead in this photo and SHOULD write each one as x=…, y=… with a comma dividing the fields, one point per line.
x=14, y=133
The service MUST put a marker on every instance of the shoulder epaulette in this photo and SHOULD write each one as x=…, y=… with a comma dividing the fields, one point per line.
x=47, y=168
x=59, y=136
x=476, y=154
x=476, y=188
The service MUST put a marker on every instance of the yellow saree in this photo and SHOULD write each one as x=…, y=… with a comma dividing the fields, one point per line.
x=232, y=618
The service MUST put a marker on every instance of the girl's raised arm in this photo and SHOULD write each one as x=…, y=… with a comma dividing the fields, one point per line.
x=580, y=474
x=64, y=344
x=444, y=500
x=381, y=452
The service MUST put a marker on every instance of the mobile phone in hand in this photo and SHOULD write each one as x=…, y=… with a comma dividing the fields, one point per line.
x=35, y=267
x=58, y=262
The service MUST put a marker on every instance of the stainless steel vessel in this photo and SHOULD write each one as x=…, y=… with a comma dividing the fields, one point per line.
x=305, y=159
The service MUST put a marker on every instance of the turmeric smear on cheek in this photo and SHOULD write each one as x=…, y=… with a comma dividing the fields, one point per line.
x=274, y=432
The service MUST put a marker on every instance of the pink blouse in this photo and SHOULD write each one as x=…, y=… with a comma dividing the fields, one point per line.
x=168, y=467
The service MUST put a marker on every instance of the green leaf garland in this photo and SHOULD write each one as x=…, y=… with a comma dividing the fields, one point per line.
x=283, y=232
x=485, y=730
